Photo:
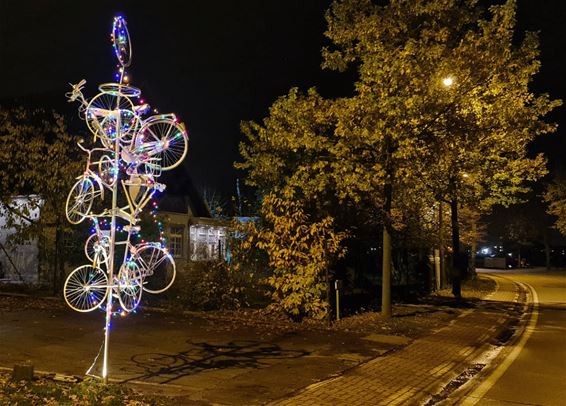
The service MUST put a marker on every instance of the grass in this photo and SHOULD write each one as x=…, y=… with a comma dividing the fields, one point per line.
x=475, y=288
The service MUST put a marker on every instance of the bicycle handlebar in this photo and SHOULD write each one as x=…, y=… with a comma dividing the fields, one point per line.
x=89, y=151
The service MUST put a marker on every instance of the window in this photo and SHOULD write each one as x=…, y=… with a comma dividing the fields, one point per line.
x=207, y=242
x=176, y=234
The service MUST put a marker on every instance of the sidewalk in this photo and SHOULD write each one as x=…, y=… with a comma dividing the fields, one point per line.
x=421, y=370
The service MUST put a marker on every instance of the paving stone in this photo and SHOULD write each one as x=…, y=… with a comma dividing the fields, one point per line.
x=416, y=371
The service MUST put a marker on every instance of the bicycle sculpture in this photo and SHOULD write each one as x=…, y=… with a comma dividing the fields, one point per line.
x=131, y=149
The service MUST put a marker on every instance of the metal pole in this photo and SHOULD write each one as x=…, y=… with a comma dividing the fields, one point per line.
x=436, y=269
x=112, y=238
x=337, y=300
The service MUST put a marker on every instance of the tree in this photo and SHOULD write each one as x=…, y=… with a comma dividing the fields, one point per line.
x=555, y=196
x=38, y=157
x=468, y=142
x=405, y=139
x=300, y=252
x=215, y=203
x=472, y=231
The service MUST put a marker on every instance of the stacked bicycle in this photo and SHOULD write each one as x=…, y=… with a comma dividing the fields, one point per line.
x=131, y=148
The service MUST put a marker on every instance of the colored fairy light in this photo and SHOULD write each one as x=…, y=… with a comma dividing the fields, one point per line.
x=132, y=163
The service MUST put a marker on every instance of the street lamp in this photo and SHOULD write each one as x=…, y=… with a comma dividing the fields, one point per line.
x=448, y=81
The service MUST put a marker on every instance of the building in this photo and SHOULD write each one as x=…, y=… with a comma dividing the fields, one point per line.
x=19, y=263
x=191, y=233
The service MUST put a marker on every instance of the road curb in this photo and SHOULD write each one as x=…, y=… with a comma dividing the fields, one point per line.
x=11, y=294
x=481, y=364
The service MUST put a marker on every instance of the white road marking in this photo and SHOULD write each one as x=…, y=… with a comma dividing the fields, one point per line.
x=486, y=385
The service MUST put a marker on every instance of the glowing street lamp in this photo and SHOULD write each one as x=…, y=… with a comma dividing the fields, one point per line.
x=448, y=81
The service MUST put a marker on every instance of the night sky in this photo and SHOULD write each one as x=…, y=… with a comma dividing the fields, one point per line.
x=214, y=63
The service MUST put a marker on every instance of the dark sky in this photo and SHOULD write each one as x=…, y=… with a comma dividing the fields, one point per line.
x=214, y=63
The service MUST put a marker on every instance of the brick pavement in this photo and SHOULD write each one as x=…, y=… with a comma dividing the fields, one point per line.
x=411, y=375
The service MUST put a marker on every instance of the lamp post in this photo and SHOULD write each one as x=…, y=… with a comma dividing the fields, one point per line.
x=457, y=262
x=447, y=82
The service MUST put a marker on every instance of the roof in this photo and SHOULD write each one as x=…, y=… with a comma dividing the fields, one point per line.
x=181, y=194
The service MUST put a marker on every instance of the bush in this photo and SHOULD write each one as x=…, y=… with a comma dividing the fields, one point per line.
x=214, y=285
x=300, y=251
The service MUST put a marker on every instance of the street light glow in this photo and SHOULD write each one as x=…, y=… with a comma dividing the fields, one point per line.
x=448, y=81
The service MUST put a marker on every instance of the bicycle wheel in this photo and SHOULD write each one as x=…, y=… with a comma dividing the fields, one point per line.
x=157, y=267
x=118, y=89
x=110, y=117
x=129, y=286
x=121, y=41
x=96, y=248
x=79, y=201
x=86, y=288
x=106, y=170
x=163, y=138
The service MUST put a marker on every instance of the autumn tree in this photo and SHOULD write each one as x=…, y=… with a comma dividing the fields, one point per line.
x=443, y=97
x=38, y=157
x=441, y=112
x=300, y=252
x=555, y=196
x=473, y=231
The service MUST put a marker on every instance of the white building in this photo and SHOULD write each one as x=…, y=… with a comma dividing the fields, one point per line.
x=19, y=263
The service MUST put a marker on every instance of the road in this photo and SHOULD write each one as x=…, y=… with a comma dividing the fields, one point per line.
x=533, y=371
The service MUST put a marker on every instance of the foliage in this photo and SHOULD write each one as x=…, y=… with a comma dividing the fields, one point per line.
x=43, y=391
x=465, y=142
x=555, y=196
x=404, y=133
x=37, y=158
x=213, y=285
x=473, y=230
x=300, y=251
x=215, y=203
x=289, y=153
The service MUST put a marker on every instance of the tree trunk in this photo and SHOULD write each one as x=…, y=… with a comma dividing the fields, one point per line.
x=457, y=271
x=56, y=275
x=473, y=249
x=546, y=251
x=386, y=262
x=328, y=293
x=442, y=275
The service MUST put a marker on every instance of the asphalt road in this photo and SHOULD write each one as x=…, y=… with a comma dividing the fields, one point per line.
x=533, y=372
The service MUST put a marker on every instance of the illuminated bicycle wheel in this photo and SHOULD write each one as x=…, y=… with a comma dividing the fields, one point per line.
x=86, y=288
x=97, y=249
x=163, y=138
x=157, y=267
x=129, y=286
x=107, y=171
x=79, y=201
x=110, y=117
x=121, y=41
x=119, y=89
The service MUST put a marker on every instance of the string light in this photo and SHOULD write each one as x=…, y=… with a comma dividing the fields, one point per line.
x=133, y=157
